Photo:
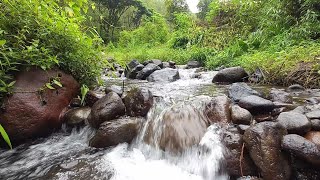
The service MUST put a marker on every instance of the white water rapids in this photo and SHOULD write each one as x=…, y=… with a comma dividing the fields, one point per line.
x=67, y=156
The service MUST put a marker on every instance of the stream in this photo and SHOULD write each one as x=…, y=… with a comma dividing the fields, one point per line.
x=65, y=155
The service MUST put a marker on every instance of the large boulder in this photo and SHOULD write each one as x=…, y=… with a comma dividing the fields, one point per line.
x=280, y=96
x=180, y=127
x=77, y=116
x=241, y=90
x=30, y=113
x=295, y=123
x=302, y=148
x=107, y=108
x=240, y=115
x=193, y=64
x=164, y=75
x=218, y=109
x=230, y=75
x=114, y=132
x=313, y=136
x=147, y=70
x=263, y=141
x=256, y=104
x=138, y=102
x=233, y=141
x=157, y=62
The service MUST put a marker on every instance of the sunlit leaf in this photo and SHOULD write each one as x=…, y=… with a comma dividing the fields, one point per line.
x=5, y=136
x=2, y=42
x=57, y=83
x=48, y=85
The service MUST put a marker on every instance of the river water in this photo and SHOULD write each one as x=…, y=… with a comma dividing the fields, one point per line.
x=66, y=155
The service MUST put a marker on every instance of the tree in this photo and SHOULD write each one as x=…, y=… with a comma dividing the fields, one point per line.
x=203, y=7
x=175, y=6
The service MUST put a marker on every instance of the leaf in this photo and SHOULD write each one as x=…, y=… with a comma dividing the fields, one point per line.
x=2, y=42
x=48, y=85
x=5, y=136
x=57, y=83
x=11, y=84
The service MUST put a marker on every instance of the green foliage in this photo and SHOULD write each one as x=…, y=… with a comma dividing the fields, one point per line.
x=84, y=90
x=46, y=34
x=5, y=136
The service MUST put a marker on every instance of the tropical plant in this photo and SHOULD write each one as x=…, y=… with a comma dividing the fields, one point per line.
x=5, y=136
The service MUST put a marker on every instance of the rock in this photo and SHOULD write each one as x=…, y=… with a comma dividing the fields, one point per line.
x=117, y=131
x=134, y=72
x=257, y=76
x=196, y=76
x=312, y=100
x=147, y=70
x=193, y=64
x=280, y=96
x=172, y=64
x=295, y=123
x=75, y=102
x=295, y=88
x=240, y=115
x=157, y=62
x=230, y=75
x=138, y=102
x=263, y=117
x=131, y=70
x=114, y=88
x=313, y=114
x=77, y=116
x=180, y=127
x=242, y=128
x=315, y=124
x=313, y=136
x=302, y=148
x=249, y=178
x=218, y=110
x=146, y=62
x=28, y=114
x=263, y=141
x=106, y=109
x=93, y=96
x=256, y=104
x=232, y=140
x=166, y=65
x=164, y=75
x=241, y=90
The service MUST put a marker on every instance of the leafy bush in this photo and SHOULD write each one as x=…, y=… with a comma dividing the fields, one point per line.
x=46, y=34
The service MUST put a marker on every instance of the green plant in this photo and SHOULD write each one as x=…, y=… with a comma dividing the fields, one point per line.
x=84, y=90
x=5, y=136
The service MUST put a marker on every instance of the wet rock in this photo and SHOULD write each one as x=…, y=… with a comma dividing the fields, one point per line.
x=302, y=148
x=93, y=96
x=146, y=62
x=313, y=114
x=295, y=123
x=313, y=136
x=242, y=128
x=257, y=76
x=295, y=88
x=249, y=178
x=75, y=102
x=196, y=76
x=172, y=64
x=315, y=124
x=263, y=117
x=134, y=72
x=240, y=115
x=233, y=141
x=147, y=70
x=132, y=69
x=241, y=90
x=181, y=127
x=31, y=115
x=193, y=64
x=106, y=109
x=218, y=110
x=157, y=62
x=263, y=141
x=312, y=100
x=303, y=170
x=230, y=75
x=77, y=116
x=164, y=75
x=280, y=96
x=138, y=102
x=166, y=65
x=277, y=111
x=256, y=104
x=114, y=88
x=114, y=132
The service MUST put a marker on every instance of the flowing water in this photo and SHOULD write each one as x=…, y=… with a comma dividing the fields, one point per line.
x=66, y=155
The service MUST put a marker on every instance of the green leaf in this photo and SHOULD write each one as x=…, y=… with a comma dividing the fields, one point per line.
x=2, y=42
x=11, y=84
x=57, y=83
x=5, y=136
x=48, y=85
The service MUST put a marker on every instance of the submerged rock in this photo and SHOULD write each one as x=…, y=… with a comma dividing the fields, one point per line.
x=164, y=75
x=117, y=131
x=138, y=102
x=107, y=108
x=295, y=123
x=28, y=114
x=280, y=96
x=218, y=110
x=263, y=141
x=241, y=90
x=147, y=70
x=256, y=104
x=230, y=75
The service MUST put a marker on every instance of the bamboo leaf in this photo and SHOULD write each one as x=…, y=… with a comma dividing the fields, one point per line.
x=5, y=136
x=57, y=83
x=48, y=85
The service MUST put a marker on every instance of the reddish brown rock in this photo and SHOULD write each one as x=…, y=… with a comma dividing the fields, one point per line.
x=218, y=110
x=313, y=136
x=27, y=113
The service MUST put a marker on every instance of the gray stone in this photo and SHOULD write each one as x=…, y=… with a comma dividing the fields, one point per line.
x=295, y=88
x=164, y=75
x=138, y=102
x=313, y=114
x=230, y=75
x=240, y=115
x=77, y=116
x=147, y=70
x=114, y=88
x=218, y=109
x=280, y=96
x=193, y=64
x=295, y=123
x=241, y=90
x=256, y=104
